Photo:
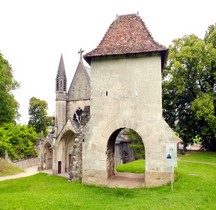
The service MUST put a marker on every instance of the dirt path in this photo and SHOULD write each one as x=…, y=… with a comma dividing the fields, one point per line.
x=126, y=180
x=27, y=172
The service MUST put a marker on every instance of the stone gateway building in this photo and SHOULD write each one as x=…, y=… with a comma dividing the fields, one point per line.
x=121, y=90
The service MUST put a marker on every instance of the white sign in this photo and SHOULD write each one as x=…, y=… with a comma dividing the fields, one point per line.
x=171, y=155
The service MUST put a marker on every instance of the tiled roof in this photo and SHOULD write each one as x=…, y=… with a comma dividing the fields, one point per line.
x=126, y=35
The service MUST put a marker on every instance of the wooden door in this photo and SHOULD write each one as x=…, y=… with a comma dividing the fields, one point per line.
x=59, y=167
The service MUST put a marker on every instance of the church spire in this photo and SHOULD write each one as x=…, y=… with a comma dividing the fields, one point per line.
x=61, y=79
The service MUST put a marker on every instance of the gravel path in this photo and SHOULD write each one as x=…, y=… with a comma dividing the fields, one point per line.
x=27, y=172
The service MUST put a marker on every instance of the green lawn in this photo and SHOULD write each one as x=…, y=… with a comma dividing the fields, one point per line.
x=136, y=166
x=200, y=156
x=195, y=188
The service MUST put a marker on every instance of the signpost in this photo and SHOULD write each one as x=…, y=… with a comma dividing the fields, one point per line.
x=171, y=159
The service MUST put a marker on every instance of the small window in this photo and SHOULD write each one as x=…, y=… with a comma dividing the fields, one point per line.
x=136, y=92
x=57, y=84
x=107, y=93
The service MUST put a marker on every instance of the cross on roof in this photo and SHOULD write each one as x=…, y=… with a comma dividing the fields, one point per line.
x=81, y=52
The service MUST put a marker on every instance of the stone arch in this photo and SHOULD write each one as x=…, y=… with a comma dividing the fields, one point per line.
x=63, y=151
x=110, y=134
x=47, y=156
x=111, y=147
x=154, y=134
x=132, y=124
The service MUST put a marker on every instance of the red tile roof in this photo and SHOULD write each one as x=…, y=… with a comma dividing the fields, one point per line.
x=127, y=35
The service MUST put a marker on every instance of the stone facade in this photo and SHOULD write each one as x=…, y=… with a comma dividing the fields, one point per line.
x=133, y=101
x=62, y=149
x=123, y=91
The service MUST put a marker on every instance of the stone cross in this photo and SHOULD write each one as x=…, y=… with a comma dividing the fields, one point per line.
x=81, y=52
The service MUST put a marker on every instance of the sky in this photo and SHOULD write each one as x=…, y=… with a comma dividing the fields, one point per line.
x=34, y=34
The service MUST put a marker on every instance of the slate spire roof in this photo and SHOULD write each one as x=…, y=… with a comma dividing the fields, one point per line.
x=128, y=34
x=61, y=78
x=61, y=68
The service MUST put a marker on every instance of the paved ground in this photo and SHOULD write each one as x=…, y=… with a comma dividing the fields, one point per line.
x=126, y=180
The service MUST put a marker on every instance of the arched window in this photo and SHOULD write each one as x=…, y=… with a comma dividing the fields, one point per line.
x=77, y=115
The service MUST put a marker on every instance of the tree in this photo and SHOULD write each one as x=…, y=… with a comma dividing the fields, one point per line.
x=210, y=35
x=39, y=118
x=18, y=140
x=189, y=103
x=8, y=105
x=136, y=145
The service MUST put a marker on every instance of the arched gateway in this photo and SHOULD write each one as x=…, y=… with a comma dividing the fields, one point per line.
x=126, y=92
x=123, y=90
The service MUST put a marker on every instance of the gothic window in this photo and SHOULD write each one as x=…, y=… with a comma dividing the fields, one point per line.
x=77, y=115
x=61, y=84
x=57, y=84
x=65, y=82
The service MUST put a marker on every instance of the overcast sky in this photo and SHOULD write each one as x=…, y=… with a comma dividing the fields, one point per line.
x=34, y=34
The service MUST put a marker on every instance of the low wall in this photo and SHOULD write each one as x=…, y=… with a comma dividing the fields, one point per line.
x=24, y=163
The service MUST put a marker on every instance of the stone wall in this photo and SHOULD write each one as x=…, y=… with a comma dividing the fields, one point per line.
x=75, y=172
x=24, y=163
x=126, y=93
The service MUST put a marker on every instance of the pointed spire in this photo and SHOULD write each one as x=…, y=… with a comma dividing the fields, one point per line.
x=61, y=68
x=61, y=79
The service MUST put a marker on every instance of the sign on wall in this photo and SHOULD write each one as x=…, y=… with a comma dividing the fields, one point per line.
x=171, y=155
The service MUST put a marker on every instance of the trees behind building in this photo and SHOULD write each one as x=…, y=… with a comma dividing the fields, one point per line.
x=8, y=105
x=18, y=140
x=189, y=99
x=38, y=116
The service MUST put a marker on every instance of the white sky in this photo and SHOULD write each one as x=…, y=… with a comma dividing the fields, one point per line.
x=34, y=33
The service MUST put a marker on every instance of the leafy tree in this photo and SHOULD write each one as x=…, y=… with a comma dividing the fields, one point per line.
x=8, y=105
x=136, y=145
x=39, y=118
x=210, y=35
x=189, y=103
x=18, y=140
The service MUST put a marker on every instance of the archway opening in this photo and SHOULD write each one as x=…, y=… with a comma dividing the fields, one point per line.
x=125, y=158
x=64, y=153
x=47, y=156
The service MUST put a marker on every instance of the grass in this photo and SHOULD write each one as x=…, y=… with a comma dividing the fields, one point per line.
x=195, y=188
x=136, y=166
x=7, y=169
x=200, y=156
